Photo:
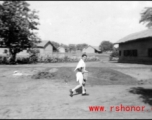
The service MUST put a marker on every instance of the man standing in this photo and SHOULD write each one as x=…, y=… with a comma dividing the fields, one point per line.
x=80, y=70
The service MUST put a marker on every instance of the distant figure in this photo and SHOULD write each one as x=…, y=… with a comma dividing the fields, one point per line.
x=80, y=70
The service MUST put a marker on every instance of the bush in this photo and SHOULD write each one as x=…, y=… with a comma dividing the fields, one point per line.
x=4, y=60
x=47, y=59
x=33, y=55
x=51, y=59
x=114, y=54
x=92, y=58
x=22, y=60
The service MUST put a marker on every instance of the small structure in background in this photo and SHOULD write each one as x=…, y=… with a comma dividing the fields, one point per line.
x=46, y=48
x=91, y=49
x=136, y=47
x=4, y=51
x=61, y=49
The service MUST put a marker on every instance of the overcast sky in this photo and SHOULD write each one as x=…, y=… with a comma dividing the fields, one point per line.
x=91, y=22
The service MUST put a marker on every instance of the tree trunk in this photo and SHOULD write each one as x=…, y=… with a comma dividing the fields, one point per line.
x=13, y=56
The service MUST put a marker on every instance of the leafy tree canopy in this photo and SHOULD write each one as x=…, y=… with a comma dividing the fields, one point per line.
x=146, y=17
x=17, y=25
x=106, y=45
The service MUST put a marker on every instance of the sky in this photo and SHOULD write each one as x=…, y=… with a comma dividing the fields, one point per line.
x=90, y=22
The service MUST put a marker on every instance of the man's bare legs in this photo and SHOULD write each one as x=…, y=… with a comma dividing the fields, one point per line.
x=77, y=87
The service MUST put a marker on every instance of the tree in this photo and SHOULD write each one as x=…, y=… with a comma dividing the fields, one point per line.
x=84, y=45
x=17, y=25
x=146, y=17
x=81, y=46
x=105, y=46
x=72, y=47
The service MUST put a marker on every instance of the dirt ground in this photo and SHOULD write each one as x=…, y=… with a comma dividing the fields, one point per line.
x=109, y=84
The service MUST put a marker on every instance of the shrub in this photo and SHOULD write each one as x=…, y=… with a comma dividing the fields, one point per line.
x=47, y=59
x=34, y=55
x=114, y=54
x=23, y=60
x=4, y=60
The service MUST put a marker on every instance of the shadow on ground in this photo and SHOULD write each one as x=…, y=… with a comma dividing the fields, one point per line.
x=145, y=94
x=79, y=91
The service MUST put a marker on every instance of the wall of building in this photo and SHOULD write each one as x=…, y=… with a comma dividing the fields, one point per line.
x=88, y=50
x=61, y=50
x=41, y=50
x=47, y=51
x=141, y=46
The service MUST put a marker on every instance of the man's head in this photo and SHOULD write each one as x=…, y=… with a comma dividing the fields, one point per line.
x=84, y=56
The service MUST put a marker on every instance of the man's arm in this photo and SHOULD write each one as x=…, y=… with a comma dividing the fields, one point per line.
x=84, y=70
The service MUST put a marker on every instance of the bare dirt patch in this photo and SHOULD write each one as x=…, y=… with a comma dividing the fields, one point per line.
x=96, y=76
x=48, y=97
